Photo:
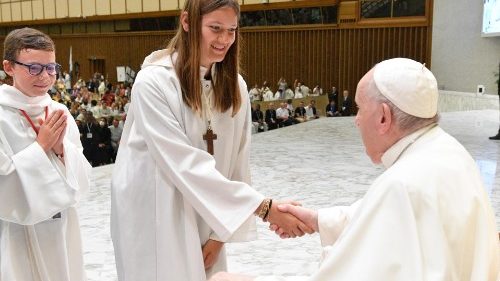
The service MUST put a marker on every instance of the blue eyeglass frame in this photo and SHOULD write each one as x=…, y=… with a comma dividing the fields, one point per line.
x=57, y=67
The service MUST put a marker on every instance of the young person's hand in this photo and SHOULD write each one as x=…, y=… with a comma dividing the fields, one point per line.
x=307, y=216
x=51, y=130
x=289, y=224
x=211, y=251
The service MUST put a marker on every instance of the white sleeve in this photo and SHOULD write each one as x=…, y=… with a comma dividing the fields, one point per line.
x=248, y=230
x=77, y=169
x=224, y=204
x=332, y=221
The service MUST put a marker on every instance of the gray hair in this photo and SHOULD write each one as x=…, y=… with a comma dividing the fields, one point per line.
x=404, y=121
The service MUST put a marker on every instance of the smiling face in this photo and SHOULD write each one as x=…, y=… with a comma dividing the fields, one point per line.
x=31, y=85
x=218, y=33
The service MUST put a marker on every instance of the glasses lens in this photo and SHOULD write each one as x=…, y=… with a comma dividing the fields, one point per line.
x=52, y=68
x=36, y=69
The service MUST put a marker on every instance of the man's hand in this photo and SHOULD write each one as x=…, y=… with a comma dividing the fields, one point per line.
x=51, y=130
x=307, y=216
x=224, y=276
x=287, y=223
x=211, y=251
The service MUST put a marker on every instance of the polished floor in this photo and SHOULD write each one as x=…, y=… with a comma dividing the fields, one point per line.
x=320, y=163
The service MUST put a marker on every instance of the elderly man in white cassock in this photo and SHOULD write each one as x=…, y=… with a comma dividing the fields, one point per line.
x=427, y=217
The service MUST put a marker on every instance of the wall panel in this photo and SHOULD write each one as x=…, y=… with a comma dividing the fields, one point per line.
x=6, y=15
x=37, y=9
x=49, y=9
x=181, y=3
x=75, y=8
x=151, y=6
x=89, y=8
x=62, y=8
x=134, y=6
x=16, y=11
x=118, y=7
x=103, y=7
x=168, y=5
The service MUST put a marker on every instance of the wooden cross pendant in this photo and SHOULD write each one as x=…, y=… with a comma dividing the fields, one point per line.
x=210, y=137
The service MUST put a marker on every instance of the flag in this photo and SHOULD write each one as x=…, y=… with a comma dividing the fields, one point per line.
x=70, y=59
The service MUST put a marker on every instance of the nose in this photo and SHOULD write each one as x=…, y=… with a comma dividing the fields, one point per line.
x=225, y=37
x=356, y=120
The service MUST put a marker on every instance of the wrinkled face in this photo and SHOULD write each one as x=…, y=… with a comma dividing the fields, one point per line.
x=218, y=33
x=366, y=120
x=31, y=85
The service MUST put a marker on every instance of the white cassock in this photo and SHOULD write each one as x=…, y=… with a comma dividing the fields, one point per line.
x=427, y=217
x=169, y=196
x=268, y=95
x=34, y=187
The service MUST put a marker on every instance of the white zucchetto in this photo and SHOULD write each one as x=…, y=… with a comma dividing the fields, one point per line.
x=409, y=85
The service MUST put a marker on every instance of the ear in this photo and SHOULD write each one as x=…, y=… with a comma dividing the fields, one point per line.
x=385, y=121
x=184, y=21
x=8, y=67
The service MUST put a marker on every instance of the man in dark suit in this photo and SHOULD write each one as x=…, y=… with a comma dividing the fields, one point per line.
x=258, y=117
x=334, y=95
x=346, y=104
x=331, y=109
x=497, y=137
x=272, y=122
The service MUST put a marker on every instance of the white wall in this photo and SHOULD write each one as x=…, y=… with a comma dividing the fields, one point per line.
x=461, y=58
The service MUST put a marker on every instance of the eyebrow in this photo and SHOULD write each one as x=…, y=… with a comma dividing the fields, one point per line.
x=218, y=22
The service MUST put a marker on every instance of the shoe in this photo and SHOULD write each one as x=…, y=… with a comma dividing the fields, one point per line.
x=497, y=137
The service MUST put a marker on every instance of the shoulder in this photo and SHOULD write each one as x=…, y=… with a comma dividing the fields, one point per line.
x=242, y=83
x=155, y=78
x=154, y=72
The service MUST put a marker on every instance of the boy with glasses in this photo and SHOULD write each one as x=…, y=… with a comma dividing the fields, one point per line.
x=42, y=169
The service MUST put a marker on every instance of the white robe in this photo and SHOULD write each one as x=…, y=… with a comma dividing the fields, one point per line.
x=35, y=186
x=427, y=217
x=169, y=196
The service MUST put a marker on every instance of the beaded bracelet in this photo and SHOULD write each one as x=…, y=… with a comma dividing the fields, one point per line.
x=265, y=208
x=268, y=210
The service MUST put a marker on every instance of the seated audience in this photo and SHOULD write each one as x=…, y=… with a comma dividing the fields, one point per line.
x=331, y=109
x=283, y=115
x=311, y=112
x=271, y=121
x=258, y=119
x=300, y=113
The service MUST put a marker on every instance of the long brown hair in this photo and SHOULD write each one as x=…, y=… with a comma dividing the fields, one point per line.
x=187, y=65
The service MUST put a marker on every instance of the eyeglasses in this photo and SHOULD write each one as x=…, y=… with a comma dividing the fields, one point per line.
x=37, y=68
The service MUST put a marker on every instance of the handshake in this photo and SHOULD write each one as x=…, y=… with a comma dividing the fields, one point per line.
x=288, y=219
